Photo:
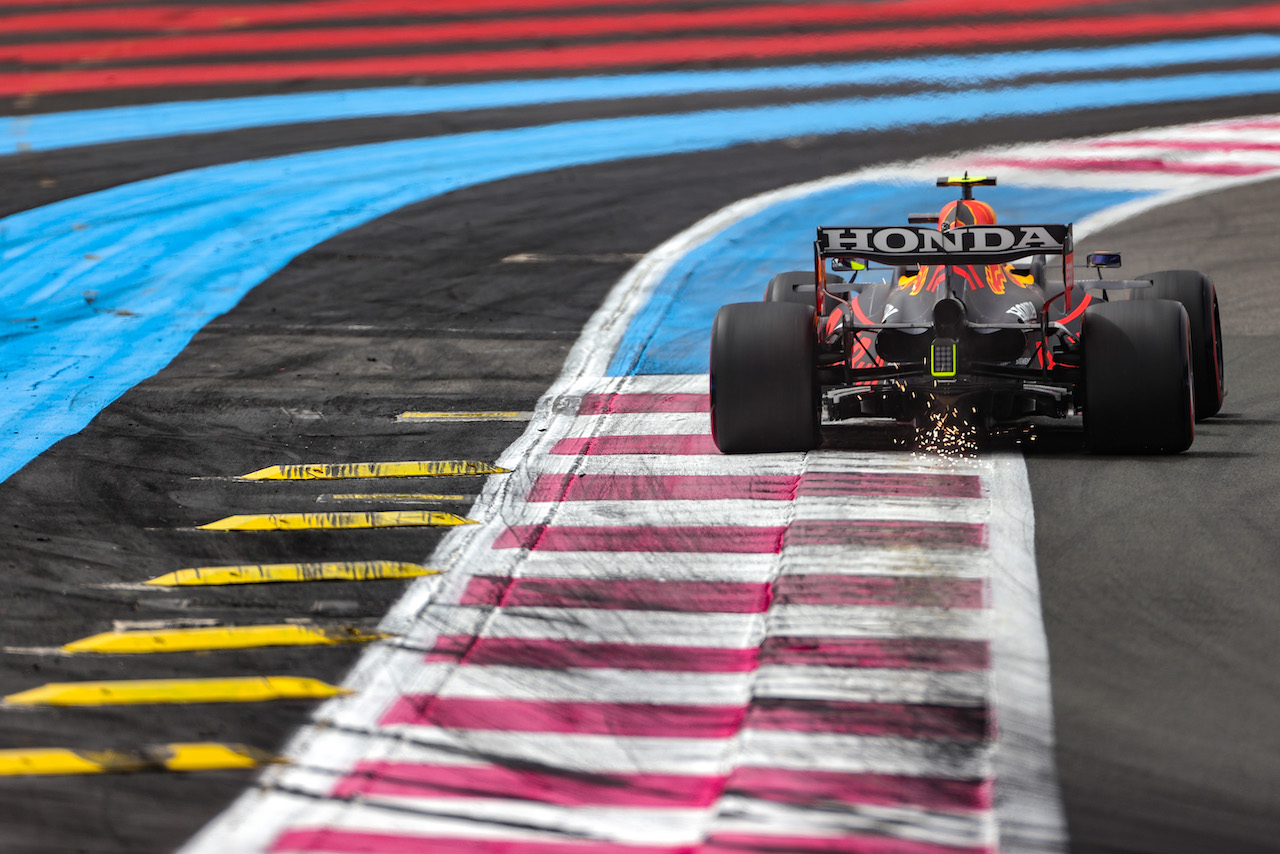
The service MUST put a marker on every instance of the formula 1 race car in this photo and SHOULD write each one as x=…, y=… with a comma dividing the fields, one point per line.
x=971, y=329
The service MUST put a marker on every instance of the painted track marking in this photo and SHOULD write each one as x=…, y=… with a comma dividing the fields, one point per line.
x=348, y=471
x=142, y=642
x=677, y=50
x=469, y=673
x=336, y=521
x=148, y=121
x=190, y=756
x=173, y=229
x=852, y=698
x=143, y=691
x=278, y=573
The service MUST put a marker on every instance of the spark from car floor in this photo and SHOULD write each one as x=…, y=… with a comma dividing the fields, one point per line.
x=948, y=434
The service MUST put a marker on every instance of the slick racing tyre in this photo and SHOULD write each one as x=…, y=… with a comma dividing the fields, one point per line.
x=1138, y=383
x=1196, y=293
x=764, y=394
x=795, y=287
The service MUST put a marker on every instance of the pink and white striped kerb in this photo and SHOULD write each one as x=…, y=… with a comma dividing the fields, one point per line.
x=1198, y=157
x=664, y=649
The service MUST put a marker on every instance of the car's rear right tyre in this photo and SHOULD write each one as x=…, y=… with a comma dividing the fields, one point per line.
x=1198, y=296
x=1139, y=392
x=764, y=393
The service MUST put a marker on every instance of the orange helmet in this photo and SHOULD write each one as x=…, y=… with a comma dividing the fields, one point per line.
x=965, y=212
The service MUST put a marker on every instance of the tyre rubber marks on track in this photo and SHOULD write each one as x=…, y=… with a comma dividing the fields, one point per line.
x=619, y=675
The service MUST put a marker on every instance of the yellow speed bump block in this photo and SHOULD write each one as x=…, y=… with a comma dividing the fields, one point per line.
x=337, y=521
x=245, y=689
x=269, y=573
x=343, y=471
x=208, y=756
x=50, y=760
x=219, y=637
x=193, y=756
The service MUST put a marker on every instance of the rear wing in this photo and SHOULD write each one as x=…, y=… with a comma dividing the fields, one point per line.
x=978, y=245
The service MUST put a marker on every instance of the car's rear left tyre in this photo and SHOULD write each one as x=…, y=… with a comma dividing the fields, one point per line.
x=1195, y=291
x=1138, y=381
x=794, y=287
x=764, y=395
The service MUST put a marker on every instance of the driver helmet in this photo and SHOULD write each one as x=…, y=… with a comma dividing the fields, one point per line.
x=965, y=212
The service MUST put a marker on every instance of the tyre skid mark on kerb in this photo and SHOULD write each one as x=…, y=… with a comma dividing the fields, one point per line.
x=676, y=567
x=794, y=751
x=706, y=629
x=329, y=839
x=603, y=487
x=595, y=403
x=951, y=652
x=494, y=781
x=718, y=596
x=567, y=754
x=748, y=787
x=743, y=539
x=675, y=444
x=557, y=654
x=650, y=718
x=590, y=717
x=673, y=823
x=463, y=715
x=642, y=594
x=957, y=680
x=811, y=523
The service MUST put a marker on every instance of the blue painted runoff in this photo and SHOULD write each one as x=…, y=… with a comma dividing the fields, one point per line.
x=101, y=291
x=119, y=124
x=672, y=333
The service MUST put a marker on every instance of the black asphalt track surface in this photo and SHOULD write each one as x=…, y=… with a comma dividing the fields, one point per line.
x=1159, y=576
